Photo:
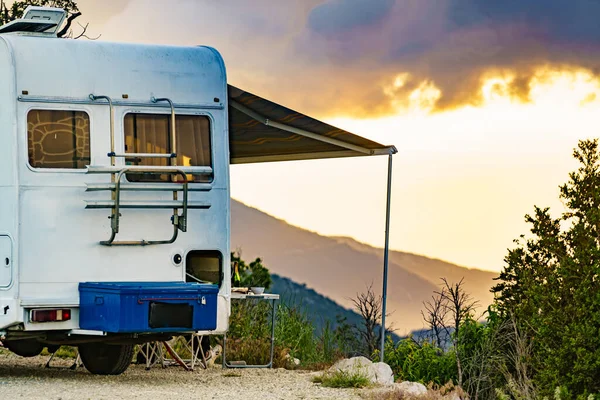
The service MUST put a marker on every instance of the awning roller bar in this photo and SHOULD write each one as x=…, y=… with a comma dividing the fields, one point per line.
x=265, y=121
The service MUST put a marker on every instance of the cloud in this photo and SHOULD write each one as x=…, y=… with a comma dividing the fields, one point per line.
x=454, y=45
x=98, y=12
x=343, y=57
x=337, y=16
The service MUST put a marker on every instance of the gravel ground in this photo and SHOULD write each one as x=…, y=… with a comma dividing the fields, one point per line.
x=25, y=378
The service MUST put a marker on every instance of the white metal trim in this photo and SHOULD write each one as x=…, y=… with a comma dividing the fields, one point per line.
x=120, y=103
x=45, y=303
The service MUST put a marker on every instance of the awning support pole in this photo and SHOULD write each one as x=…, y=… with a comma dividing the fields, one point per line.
x=386, y=255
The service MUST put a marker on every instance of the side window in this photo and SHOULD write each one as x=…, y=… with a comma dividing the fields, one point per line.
x=151, y=133
x=58, y=139
x=204, y=266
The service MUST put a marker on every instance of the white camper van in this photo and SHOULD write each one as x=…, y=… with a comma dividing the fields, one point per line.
x=114, y=187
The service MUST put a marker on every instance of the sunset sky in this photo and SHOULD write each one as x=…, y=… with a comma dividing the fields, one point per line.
x=483, y=99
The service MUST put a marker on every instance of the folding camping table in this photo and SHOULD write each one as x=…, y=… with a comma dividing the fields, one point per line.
x=265, y=296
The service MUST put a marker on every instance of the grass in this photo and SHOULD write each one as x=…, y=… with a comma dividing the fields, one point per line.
x=434, y=392
x=65, y=352
x=342, y=380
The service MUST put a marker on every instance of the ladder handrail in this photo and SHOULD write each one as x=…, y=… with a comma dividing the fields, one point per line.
x=179, y=221
x=93, y=97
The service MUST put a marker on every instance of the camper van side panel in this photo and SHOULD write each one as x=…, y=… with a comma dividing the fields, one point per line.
x=60, y=238
x=8, y=193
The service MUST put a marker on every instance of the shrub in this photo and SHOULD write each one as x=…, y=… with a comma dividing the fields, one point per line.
x=295, y=336
x=343, y=379
x=420, y=362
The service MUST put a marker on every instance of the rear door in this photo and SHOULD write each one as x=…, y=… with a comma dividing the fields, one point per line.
x=5, y=261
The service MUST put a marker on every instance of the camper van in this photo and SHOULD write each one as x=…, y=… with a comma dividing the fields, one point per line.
x=114, y=188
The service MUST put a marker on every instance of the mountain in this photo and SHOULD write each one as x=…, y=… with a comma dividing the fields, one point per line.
x=341, y=267
x=319, y=307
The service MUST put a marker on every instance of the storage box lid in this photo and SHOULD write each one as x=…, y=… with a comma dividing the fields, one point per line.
x=149, y=287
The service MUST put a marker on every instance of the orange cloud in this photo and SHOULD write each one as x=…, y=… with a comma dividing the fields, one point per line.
x=338, y=57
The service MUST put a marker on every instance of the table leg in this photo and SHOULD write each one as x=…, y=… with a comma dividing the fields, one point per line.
x=273, y=314
x=224, y=347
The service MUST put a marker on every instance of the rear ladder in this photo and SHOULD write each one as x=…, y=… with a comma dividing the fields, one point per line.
x=116, y=187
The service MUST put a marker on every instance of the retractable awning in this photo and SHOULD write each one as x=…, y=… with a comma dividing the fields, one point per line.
x=262, y=131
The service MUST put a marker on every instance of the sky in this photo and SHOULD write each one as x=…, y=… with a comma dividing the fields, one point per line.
x=484, y=100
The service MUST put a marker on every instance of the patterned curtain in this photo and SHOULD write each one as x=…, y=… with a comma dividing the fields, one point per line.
x=58, y=139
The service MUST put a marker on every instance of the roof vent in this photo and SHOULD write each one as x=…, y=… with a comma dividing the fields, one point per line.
x=44, y=20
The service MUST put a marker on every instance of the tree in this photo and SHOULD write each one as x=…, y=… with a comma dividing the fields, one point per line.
x=17, y=9
x=435, y=315
x=460, y=306
x=550, y=283
x=254, y=274
x=446, y=313
x=368, y=305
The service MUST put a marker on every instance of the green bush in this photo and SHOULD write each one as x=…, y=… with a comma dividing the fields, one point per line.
x=420, y=362
x=249, y=333
x=254, y=274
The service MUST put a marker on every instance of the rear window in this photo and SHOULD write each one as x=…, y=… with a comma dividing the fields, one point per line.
x=204, y=266
x=58, y=139
x=151, y=133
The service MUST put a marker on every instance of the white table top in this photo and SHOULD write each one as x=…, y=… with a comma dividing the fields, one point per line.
x=265, y=296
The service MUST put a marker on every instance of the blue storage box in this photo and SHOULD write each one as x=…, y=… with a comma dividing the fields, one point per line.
x=139, y=307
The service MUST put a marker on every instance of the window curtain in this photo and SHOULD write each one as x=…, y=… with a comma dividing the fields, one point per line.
x=151, y=133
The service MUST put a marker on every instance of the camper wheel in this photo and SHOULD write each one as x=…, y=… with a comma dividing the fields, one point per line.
x=24, y=348
x=106, y=359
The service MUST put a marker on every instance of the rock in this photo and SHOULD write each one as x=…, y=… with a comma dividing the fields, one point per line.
x=292, y=361
x=348, y=364
x=411, y=388
x=356, y=365
x=383, y=373
x=378, y=373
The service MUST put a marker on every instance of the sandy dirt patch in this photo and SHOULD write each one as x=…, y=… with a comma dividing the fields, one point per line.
x=26, y=378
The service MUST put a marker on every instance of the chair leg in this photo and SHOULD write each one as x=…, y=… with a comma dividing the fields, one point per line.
x=77, y=362
x=49, y=360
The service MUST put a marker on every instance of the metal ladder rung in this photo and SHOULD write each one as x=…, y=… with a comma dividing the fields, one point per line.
x=142, y=155
x=154, y=204
x=142, y=187
x=104, y=169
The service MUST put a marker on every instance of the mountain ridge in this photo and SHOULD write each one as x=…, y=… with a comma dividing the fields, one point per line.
x=340, y=267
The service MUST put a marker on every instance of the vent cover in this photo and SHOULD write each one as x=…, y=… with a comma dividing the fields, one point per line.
x=37, y=20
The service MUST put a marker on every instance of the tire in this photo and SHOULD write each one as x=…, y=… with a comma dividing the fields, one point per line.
x=53, y=348
x=25, y=348
x=106, y=359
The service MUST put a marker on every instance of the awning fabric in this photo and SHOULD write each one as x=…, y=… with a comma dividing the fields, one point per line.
x=262, y=131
